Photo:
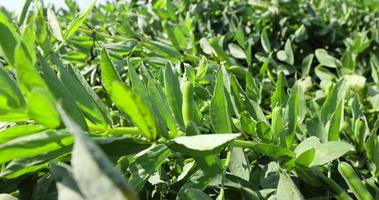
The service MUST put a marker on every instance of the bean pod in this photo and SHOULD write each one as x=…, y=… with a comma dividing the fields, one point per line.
x=353, y=181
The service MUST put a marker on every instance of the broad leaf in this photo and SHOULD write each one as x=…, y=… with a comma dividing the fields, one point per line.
x=146, y=163
x=65, y=182
x=202, y=145
x=93, y=171
x=265, y=42
x=9, y=39
x=173, y=93
x=77, y=21
x=327, y=60
x=136, y=109
x=219, y=107
x=33, y=145
x=330, y=151
x=287, y=189
x=53, y=23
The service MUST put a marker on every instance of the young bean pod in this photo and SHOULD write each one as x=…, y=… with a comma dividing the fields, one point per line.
x=353, y=181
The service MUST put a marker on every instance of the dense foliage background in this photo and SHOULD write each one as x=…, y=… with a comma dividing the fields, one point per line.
x=190, y=100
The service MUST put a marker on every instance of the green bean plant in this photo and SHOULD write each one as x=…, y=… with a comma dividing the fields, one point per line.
x=190, y=100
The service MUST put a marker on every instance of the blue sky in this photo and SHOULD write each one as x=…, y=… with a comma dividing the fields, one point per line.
x=16, y=5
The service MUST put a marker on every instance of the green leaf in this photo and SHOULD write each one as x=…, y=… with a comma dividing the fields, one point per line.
x=94, y=173
x=199, y=180
x=61, y=92
x=41, y=108
x=306, y=65
x=210, y=164
x=279, y=96
x=274, y=151
x=24, y=11
x=306, y=158
x=374, y=65
x=114, y=146
x=8, y=39
x=327, y=60
x=349, y=61
x=240, y=36
x=19, y=167
x=171, y=35
x=372, y=150
x=289, y=52
x=86, y=99
x=287, y=189
x=77, y=21
x=282, y=56
x=138, y=85
x=33, y=145
x=236, y=51
x=218, y=109
x=53, y=23
x=27, y=74
x=264, y=132
x=315, y=127
x=158, y=98
x=330, y=151
x=14, y=116
x=202, y=145
x=173, y=93
x=239, y=164
x=146, y=163
x=324, y=74
x=108, y=71
x=10, y=91
x=300, y=33
x=307, y=144
x=291, y=113
x=136, y=109
x=247, y=124
x=265, y=41
x=205, y=46
x=237, y=101
x=7, y=197
x=17, y=131
x=269, y=176
x=202, y=68
x=134, y=106
x=163, y=50
x=217, y=46
x=331, y=101
x=65, y=182
x=192, y=194
x=336, y=121
x=286, y=55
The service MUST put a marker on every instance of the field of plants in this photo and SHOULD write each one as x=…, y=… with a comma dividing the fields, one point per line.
x=190, y=100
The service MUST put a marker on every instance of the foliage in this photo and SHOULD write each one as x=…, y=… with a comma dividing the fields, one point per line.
x=190, y=100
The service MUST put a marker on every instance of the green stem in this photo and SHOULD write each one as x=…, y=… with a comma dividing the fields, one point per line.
x=124, y=131
x=243, y=144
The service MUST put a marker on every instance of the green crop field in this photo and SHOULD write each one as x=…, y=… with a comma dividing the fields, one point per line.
x=190, y=100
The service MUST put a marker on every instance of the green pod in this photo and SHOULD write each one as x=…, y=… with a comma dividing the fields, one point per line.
x=359, y=133
x=171, y=36
x=353, y=181
x=189, y=107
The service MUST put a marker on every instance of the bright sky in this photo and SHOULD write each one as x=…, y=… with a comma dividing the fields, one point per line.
x=16, y=5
